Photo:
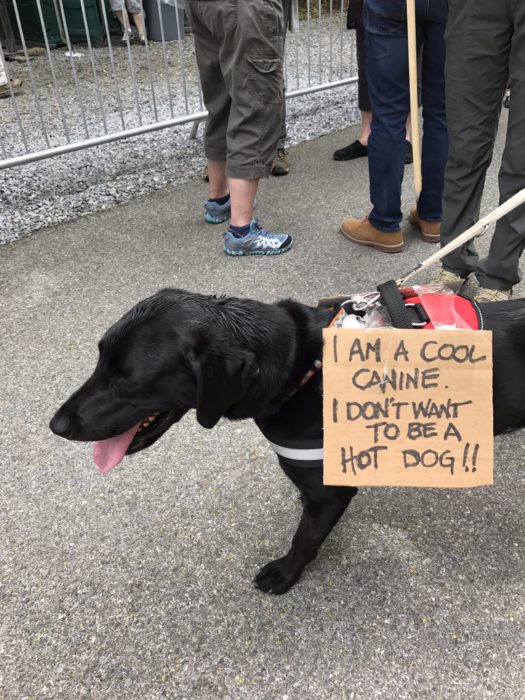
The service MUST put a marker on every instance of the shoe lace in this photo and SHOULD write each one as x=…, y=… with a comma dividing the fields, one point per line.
x=446, y=276
x=493, y=295
x=262, y=233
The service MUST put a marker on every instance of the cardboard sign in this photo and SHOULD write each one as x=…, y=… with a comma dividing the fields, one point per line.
x=407, y=408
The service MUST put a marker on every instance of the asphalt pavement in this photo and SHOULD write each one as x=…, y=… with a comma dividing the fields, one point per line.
x=138, y=584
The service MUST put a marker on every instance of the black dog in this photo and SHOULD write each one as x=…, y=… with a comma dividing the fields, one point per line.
x=241, y=358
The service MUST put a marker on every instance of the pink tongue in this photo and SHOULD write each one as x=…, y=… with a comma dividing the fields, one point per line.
x=108, y=453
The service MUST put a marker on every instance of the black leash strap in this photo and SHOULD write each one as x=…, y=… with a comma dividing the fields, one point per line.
x=395, y=305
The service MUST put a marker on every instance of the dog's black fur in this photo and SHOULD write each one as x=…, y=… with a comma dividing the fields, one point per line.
x=241, y=358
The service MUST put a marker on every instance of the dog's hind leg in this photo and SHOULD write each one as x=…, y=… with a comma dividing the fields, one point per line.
x=322, y=508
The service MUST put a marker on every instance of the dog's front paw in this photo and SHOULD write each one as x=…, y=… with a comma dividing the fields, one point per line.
x=276, y=577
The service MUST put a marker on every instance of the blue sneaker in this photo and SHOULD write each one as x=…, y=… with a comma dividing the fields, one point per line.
x=215, y=213
x=257, y=241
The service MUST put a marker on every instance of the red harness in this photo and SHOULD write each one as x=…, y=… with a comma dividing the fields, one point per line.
x=434, y=311
x=449, y=310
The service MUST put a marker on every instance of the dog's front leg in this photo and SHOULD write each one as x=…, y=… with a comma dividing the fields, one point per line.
x=322, y=508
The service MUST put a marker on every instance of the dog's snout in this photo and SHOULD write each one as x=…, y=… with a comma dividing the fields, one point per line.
x=61, y=425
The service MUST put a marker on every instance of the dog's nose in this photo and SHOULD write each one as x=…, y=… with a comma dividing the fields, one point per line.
x=61, y=425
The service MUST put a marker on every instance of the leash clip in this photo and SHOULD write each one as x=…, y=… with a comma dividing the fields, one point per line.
x=365, y=301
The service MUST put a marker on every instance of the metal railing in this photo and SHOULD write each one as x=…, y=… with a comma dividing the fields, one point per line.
x=90, y=84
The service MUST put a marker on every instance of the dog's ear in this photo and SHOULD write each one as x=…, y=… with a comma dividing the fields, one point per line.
x=222, y=379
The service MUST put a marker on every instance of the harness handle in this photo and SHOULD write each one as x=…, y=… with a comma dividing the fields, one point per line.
x=395, y=305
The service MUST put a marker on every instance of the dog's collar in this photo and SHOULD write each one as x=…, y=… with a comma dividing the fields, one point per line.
x=318, y=366
x=336, y=322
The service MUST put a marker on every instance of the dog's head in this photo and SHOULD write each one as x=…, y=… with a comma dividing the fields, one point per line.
x=161, y=359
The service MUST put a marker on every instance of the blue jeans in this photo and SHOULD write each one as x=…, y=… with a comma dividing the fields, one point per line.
x=387, y=68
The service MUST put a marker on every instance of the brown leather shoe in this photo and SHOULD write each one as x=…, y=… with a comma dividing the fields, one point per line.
x=428, y=230
x=362, y=231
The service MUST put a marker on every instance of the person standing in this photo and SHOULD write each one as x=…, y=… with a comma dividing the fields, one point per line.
x=485, y=51
x=388, y=84
x=239, y=50
x=359, y=147
x=280, y=164
x=121, y=8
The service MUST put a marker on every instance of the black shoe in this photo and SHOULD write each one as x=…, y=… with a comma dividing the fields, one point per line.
x=354, y=150
x=409, y=158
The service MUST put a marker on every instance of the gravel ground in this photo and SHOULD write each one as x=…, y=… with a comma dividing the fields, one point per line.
x=63, y=188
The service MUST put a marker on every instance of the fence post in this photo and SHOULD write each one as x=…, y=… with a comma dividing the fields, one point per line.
x=294, y=16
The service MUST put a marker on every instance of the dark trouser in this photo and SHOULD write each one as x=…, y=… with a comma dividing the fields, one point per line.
x=485, y=49
x=363, y=98
x=239, y=49
x=354, y=20
x=388, y=84
x=287, y=8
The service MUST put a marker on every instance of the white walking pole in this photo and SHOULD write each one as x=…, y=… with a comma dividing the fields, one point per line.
x=412, y=74
x=476, y=230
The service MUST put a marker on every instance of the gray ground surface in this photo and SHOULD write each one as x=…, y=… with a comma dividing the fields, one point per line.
x=137, y=585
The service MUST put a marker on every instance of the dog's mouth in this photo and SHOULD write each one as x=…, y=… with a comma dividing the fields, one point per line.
x=108, y=453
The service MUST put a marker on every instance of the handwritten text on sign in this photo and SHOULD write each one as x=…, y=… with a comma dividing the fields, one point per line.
x=407, y=408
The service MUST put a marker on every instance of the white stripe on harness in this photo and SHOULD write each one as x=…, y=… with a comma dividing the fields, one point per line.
x=299, y=454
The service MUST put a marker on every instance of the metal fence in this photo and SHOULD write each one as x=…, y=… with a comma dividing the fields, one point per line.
x=89, y=83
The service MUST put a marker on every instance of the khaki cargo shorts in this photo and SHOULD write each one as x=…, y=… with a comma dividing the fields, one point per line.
x=134, y=7
x=239, y=46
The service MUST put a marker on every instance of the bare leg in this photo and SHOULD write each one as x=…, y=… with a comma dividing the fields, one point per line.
x=242, y=195
x=217, y=178
x=366, y=123
x=123, y=18
x=138, y=18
